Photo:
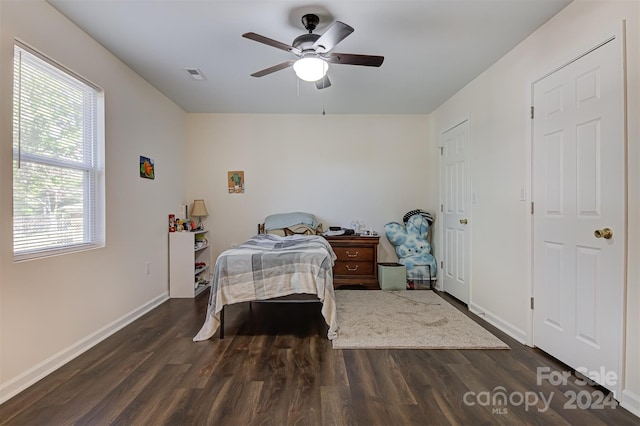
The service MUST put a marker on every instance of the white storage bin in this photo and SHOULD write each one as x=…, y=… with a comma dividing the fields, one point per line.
x=392, y=276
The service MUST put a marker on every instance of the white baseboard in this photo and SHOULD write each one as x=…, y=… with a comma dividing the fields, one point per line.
x=19, y=383
x=630, y=402
x=515, y=332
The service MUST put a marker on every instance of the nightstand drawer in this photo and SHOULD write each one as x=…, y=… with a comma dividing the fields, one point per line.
x=357, y=261
x=354, y=253
x=352, y=268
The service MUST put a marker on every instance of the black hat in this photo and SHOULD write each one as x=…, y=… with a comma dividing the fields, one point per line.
x=426, y=215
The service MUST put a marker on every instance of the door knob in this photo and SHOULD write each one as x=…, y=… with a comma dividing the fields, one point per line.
x=463, y=221
x=605, y=233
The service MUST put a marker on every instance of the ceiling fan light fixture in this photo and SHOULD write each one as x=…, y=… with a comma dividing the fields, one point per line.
x=310, y=68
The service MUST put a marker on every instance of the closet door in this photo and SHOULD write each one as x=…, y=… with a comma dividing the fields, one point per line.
x=456, y=195
x=579, y=207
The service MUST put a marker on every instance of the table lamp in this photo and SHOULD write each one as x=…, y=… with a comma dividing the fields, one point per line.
x=199, y=210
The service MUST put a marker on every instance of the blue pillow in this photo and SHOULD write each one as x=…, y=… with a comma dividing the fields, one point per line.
x=285, y=220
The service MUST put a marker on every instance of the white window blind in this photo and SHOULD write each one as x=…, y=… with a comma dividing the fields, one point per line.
x=57, y=176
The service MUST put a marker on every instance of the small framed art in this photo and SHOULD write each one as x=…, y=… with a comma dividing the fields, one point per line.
x=235, y=181
x=147, y=169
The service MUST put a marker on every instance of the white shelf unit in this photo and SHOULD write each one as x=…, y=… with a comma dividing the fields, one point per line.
x=189, y=263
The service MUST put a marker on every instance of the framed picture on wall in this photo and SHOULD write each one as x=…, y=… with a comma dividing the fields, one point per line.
x=147, y=169
x=235, y=181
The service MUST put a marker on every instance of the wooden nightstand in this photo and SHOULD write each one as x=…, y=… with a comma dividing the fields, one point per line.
x=357, y=262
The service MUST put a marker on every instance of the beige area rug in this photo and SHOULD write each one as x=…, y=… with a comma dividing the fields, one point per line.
x=415, y=319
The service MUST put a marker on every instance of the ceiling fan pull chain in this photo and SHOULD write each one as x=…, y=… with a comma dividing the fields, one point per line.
x=323, y=111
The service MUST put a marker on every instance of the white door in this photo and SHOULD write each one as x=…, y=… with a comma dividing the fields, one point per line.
x=456, y=197
x=578, y=193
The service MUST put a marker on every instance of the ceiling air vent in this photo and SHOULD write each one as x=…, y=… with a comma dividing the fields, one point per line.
x=195, y=74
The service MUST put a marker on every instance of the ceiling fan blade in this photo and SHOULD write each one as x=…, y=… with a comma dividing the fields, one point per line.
x=324, y=83
x=334, y=35
x=351, y=59
x=281, y=66
x=271, y=42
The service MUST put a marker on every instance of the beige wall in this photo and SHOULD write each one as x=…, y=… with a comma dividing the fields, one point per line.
x=368, y=167
x=374, y=168
x=52, y=309
x=497, y=103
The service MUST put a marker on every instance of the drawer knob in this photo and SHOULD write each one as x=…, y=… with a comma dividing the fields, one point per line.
x=355, y=268
x=351, y=255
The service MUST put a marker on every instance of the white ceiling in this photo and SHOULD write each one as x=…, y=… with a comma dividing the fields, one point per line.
x=432, y=49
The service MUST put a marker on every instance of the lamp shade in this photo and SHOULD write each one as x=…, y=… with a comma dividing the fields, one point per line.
x=199, y=209
x=310, y=68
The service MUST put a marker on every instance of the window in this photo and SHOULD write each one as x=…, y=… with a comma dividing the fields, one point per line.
x=58, y=145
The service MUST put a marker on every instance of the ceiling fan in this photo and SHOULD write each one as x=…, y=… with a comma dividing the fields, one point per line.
x=314, y=52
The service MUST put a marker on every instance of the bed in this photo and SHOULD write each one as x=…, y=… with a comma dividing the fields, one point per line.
x=278, y=262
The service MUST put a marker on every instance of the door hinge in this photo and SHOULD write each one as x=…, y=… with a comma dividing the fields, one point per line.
x=441, y=207
x=532, y=207
x=532, y=112
x=441, y=150
x=441, y=264
x=532, y=303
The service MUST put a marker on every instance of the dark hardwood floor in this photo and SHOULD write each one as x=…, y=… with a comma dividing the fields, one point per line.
x=276, y=367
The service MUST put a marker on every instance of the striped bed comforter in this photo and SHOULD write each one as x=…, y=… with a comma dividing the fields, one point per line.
x=269, y=266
